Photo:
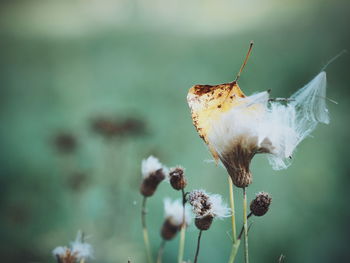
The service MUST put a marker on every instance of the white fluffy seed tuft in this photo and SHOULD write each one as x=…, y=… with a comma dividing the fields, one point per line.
x=272, y=127
x=60, y=251
x=150, y=165
x=81, y=249
x=173, y=210
x=219, y=208
x=78, y=250
x=204, y=204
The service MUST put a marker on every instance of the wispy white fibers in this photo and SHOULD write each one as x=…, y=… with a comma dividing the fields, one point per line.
x=150, y=165
x=305, y=109
x=78, y=250
x=81, y=249
x=173, y=210
x=260, y=125
x=205, y=204
x=60, y=251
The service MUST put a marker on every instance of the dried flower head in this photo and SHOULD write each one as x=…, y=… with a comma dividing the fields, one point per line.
x=260, y=205
x=78, y=251
x=177, y=178
x=236, y=127
x=174, y=217
x=204, y=223
x=153, y=172
x=206, y=207
x=64, y=255
x=113, y=127
x=132, y=126
x=106, y=127
x=81, y=249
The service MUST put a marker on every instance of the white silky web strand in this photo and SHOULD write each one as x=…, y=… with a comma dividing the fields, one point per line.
x=305, y=109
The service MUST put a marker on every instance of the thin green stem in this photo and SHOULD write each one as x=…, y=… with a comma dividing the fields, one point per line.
x=160, y=251
x=198, y=246
x=145, y=231
x=232, y=204
x=242, y=229
x=245, y=223
x=234, y=250
x=182, y=244
x=183, y=230
x=281, y=258
x=237, y=243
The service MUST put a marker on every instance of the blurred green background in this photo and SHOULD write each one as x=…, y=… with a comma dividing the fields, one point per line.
x=89, y=88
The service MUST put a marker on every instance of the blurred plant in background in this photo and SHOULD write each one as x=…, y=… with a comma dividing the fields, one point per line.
x=78, y=252
x=64, y=65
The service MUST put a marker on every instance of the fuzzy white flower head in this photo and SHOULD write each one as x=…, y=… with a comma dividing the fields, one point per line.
x=78, y=250
x=81, y=249
x=150, y=165
x=173, y=210
x=256, y=124
x=60, y=251
x=204, y=204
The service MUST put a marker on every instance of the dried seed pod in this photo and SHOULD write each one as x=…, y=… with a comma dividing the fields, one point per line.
x=169, y=229
x=149, y=184
x=78, y=251
x=260, y=205
x=206, y=207
x=174, y=218
x=204, y=223
x=152, y=174
x=177, y=178
x=106, y=127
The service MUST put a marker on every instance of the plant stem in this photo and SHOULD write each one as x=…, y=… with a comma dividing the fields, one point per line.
x=237, y=243
x=145, y=231
x=198, y=246
x=183, y=230
x=232, y=204
x=160, y=251
x=234, y=250
x=245, y=220
x=58, y=259
x=182, y=244
x=281, y=258
x=242, y=229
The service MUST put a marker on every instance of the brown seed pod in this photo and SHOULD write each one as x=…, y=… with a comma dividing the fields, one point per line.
x=260, y=205
x=169, y=230
x=204, y=223
x=177, y=178
x=149, y=184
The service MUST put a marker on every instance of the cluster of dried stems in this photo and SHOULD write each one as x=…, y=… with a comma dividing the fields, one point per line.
x=205, y=207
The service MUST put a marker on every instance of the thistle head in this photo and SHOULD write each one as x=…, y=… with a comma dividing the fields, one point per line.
x=153, y=172
x=206, y=207
x=177, y=178
x=174, y=218
x=78, y=251
x=260, y=205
